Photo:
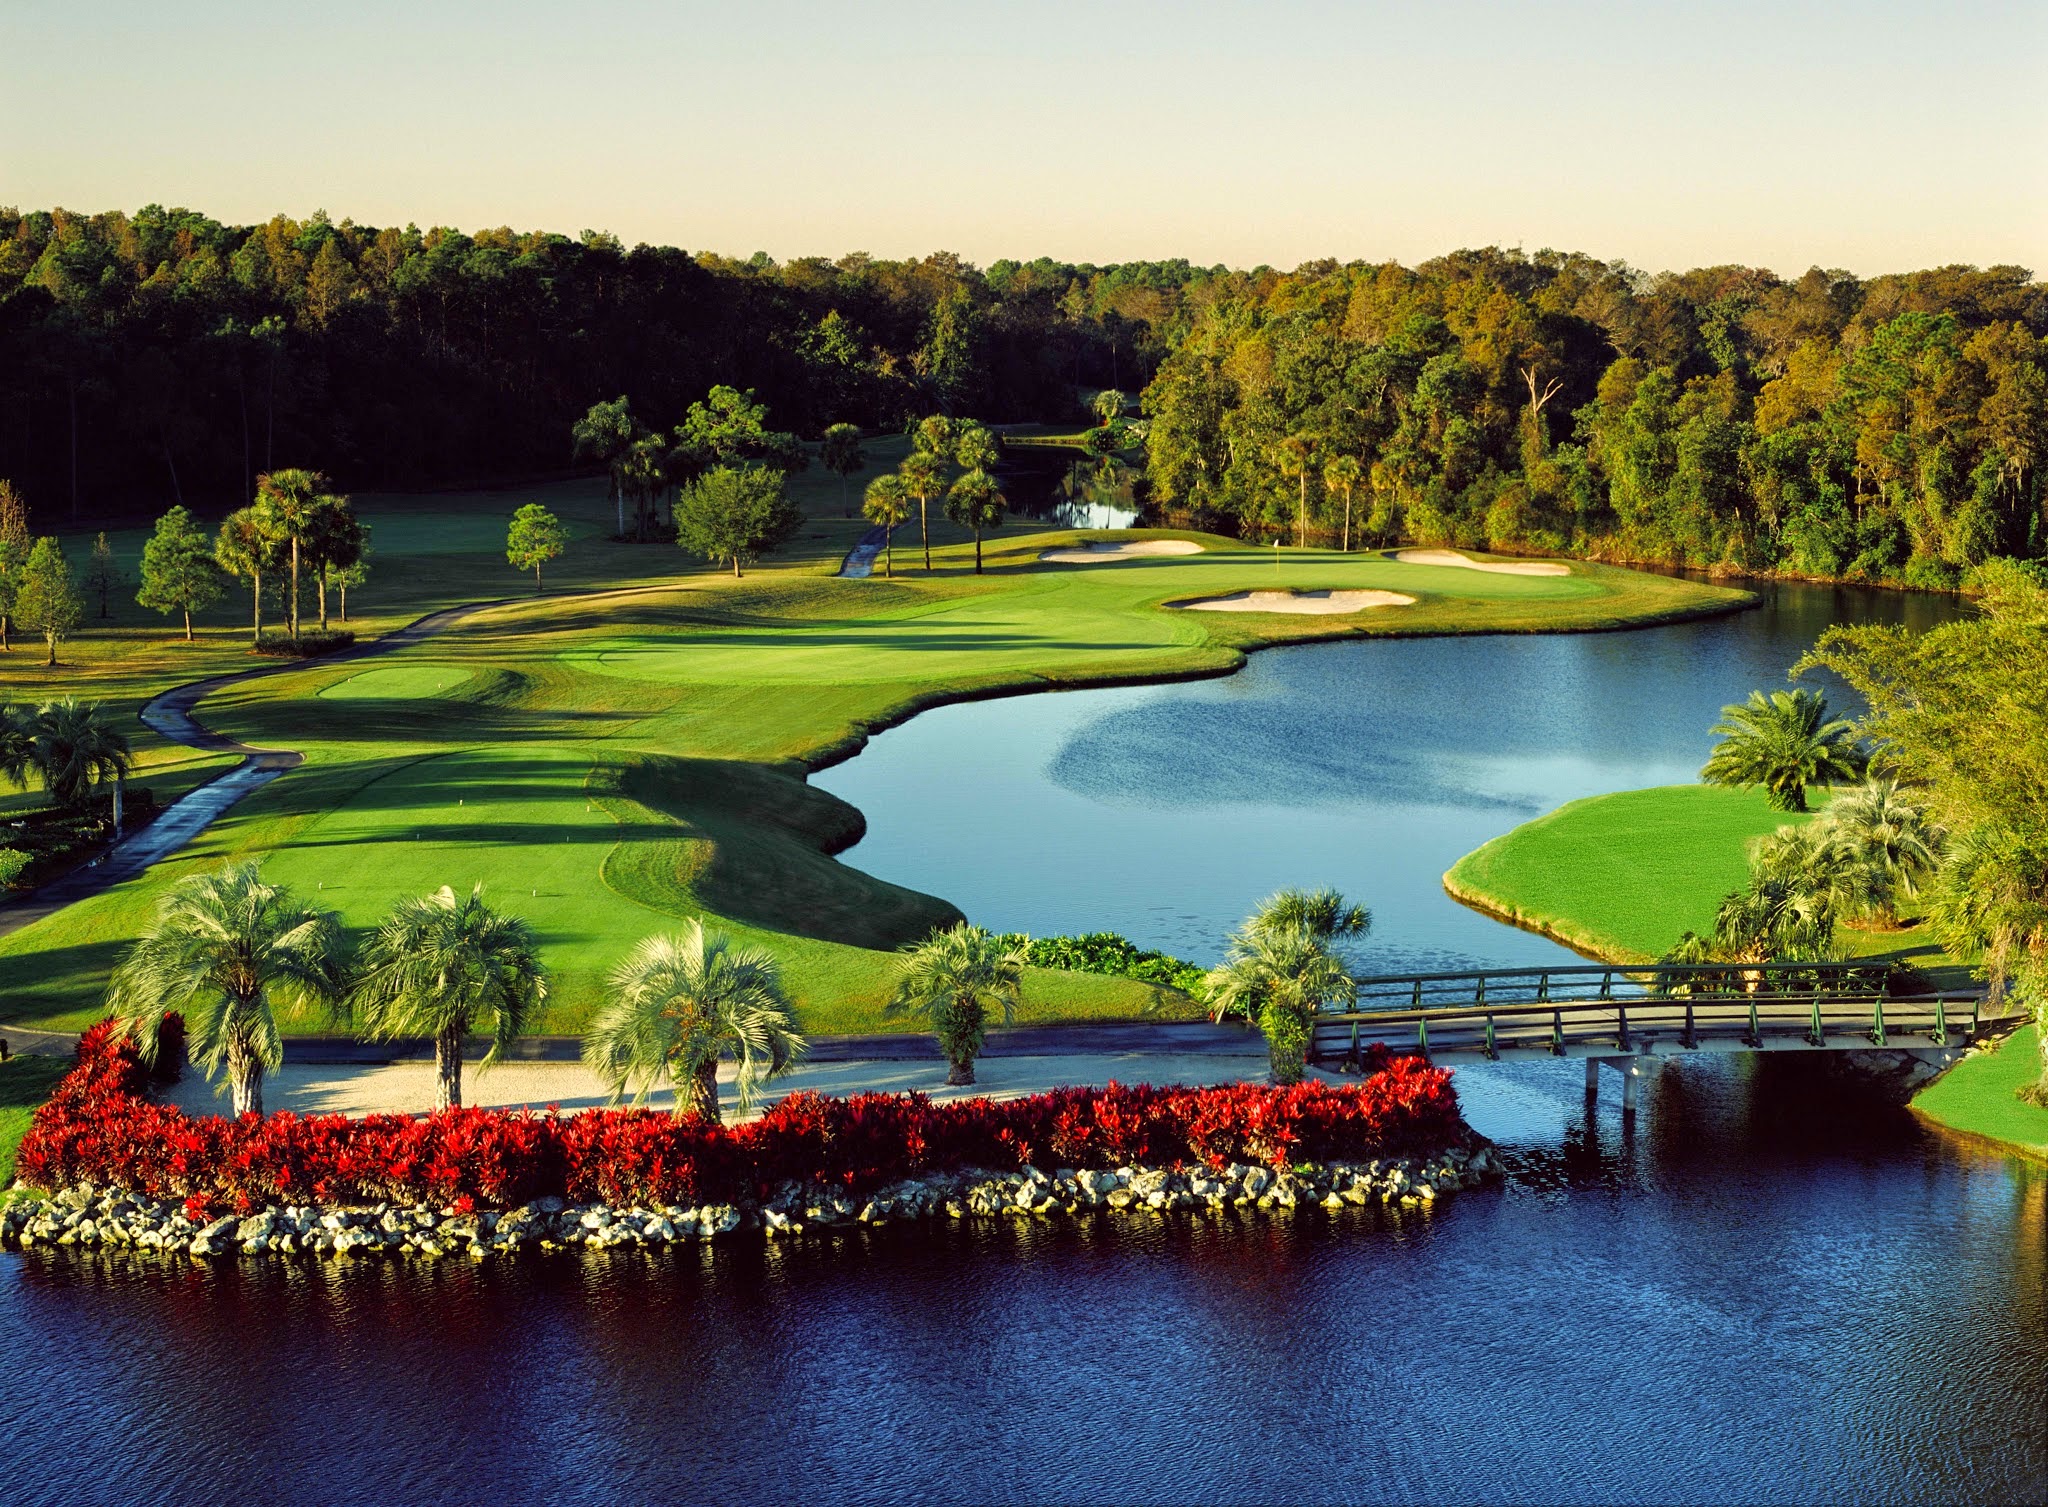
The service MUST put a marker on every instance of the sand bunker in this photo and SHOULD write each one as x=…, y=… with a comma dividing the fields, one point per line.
x=1498, y=567
x=1096, y=554
x=1320, y=603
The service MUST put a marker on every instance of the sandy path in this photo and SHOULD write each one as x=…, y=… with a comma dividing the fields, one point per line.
x=1316, y=603
x=1497, y=567
x=1098, y=554
x=408, y=1087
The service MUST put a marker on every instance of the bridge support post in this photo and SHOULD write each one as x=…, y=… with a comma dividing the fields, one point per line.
x=1633, y=1069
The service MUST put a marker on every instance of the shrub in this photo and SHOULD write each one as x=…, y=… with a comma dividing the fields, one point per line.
x=1107, y=952
x=97, y=1129
x=13, y=864
x=311, y=643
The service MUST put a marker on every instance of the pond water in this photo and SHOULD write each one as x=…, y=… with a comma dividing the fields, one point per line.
x=1759, y=1294
x=1759, y=1290
x=1165, y=812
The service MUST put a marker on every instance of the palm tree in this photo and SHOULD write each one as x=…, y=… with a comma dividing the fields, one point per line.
x=886, y=504
x=1776, y=918
x=978, y=449
x=1108, y=405
x=75, y=745
x=974, y=502
x=605, y=434
x=246, y=548
x=954, y=978
x=1323, y=914
x=1784, y=743
x=841, y=453
x=227, y=951
x=293, y=501
x=17, y=745
x=1296, y=458
x=923, y=473
x=1991, y=893
x=645, y=471
x=679, y=1004
x=1280, y=977
x=1342, y=475
x=933, y=436
x=435, y=965
x=1809, y=858
x=1889, y=840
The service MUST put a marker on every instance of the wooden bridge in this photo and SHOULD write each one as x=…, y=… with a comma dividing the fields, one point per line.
x=1634, y=1019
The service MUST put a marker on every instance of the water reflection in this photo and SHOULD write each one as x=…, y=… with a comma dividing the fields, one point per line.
x=1165, y=811
x=1759, y=1293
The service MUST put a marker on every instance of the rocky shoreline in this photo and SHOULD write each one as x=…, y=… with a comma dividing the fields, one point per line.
x=93, y=1218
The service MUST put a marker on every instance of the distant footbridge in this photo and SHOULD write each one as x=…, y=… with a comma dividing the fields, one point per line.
x=1634, y=1019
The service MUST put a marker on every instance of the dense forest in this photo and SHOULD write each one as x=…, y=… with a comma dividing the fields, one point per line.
x=1884, y=429
x=163, y=357
x=1887, y=430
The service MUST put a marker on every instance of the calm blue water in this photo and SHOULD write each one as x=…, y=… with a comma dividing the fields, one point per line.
x=1760, y=1292
x=1758, y=1296
x=1166, y=812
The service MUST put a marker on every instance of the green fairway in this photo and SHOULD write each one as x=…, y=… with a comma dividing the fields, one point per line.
x=1978, y=1095
x=1624, y=876
x=607, y=766
x=398, y=683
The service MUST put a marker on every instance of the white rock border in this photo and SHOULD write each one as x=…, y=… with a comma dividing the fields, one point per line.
x=115, y=1220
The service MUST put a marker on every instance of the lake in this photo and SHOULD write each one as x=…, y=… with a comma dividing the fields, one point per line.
x=1165, y=812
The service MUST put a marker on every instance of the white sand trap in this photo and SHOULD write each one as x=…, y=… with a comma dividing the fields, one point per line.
x=1096, y=554
x=1319, y=603
x=1498, y=567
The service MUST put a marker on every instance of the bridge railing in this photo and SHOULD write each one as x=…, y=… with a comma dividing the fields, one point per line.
x=1818, y=1006
x=1599, y=982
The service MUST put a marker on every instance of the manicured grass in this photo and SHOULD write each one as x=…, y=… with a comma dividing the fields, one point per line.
x=1624, y=876
x=606, y=767
x=1978, y=1095
x=24, y=1083
x=398, y=683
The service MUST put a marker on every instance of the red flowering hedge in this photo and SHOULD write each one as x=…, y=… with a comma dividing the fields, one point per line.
x=97, y=1128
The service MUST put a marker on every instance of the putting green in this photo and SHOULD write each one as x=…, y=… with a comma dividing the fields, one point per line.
x=399, y=683
x=515, y=819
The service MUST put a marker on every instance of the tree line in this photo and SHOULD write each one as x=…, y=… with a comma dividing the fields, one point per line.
x=165, y=357
x=1885, y=430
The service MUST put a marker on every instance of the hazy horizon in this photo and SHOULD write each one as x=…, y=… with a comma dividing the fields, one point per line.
x=1879, y=138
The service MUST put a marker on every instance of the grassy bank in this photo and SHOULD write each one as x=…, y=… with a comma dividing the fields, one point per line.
x=607, y=766
x=1979, y=1095
x=1622, y=877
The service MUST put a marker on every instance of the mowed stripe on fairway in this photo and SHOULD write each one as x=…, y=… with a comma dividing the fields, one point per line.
x=517, y=820
x=976, y=636
x=399, y=683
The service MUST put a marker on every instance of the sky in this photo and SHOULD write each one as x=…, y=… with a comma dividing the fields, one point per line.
x=1875, y=136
